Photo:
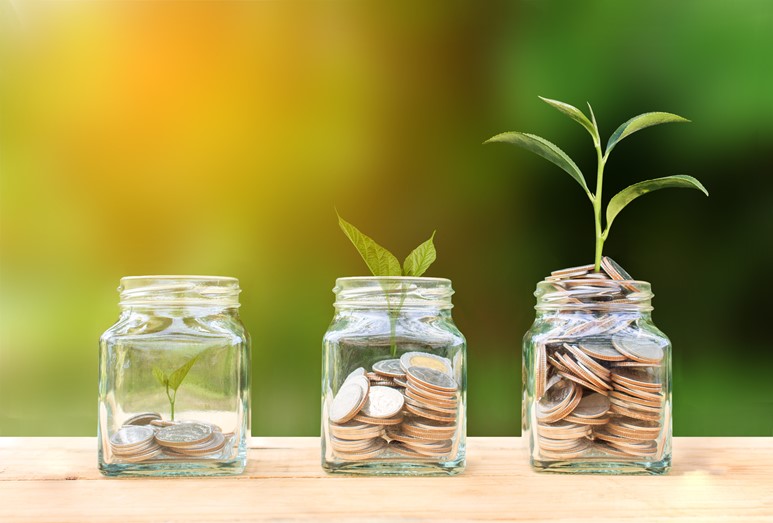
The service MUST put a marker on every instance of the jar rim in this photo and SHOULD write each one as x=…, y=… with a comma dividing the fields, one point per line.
x=386, y=292
x=169, y=290
x=552, y=295
x=427, y=279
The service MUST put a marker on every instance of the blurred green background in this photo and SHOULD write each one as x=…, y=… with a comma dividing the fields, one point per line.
x=217, y=137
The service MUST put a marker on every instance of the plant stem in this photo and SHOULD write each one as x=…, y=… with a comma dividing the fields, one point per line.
x=600, y=236
x=393, y=332
x=171, y=400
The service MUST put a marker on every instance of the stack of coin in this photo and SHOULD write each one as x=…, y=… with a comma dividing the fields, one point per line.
x=144, y=418
x=191, y=439
x=597, y=377
x=134, y=443
x=405, y=407
x=582, y=285
x=147, y=436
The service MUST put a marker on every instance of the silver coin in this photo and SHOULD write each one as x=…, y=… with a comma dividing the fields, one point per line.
x=359, y=371
x=432, y=378
x=383, y=402
x=132, y=436
x=215, y=443
x=389, y=368
x=643, y=350
x=143, y=419
x=614, y=270
x=184, y=434
x=426, y=360
x=592, y=406
x=349, y=399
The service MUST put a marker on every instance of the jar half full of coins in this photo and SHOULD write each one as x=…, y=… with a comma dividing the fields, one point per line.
x=174, y=379
x=393, y=379
x=597, y=384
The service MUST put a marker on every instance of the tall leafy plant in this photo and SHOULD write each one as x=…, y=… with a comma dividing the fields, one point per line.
x=552, y=153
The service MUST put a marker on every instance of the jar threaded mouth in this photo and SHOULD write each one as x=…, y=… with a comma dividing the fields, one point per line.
x=582, y=294
x=179, y=290
x=392, y=292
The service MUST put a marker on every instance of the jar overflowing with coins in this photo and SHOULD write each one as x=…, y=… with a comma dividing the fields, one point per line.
x=393, y=379
x=174, y=379
x=597, y=387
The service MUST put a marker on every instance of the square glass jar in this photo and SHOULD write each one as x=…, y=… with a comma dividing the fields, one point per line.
x=174, y=379
x=393, y=379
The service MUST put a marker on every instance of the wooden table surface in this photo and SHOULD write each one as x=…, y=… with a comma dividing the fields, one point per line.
x=713, y=479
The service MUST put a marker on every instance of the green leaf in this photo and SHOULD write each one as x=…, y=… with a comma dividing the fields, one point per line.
x=637, y=123
x=543, y=148
x=380, y=261
x=420, y=258
x=160, y=376
x=177, y=377
x=576, y=115
x=595, y=125
x=632, y=192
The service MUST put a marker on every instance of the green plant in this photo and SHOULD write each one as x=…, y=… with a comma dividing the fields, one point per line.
x=381, y=262
x=552, y=153
x=173, y=381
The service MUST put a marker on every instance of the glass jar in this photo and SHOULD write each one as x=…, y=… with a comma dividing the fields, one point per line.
x=393, y=379
x=174, y=379
x=597, y=384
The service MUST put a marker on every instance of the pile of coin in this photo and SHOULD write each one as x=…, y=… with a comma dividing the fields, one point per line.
x=581, y=284
x=406, y=407
x=598, y=378
x=147, y=436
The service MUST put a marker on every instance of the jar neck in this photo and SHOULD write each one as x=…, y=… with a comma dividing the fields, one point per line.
x=394, y=293
x=619, y=296
x=201, y=294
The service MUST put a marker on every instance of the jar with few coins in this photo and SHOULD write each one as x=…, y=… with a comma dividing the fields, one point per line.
x=597, y=376
x=393, y=379
x=174, y=379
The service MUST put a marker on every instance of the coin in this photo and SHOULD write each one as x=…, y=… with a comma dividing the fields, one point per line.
x=145, y=455
x=215, y=443
x=390, y=368
x=633, y=413
x=642, y=350
x=559, y=392
x=582, y=358
x=144, y=418
x=355, y=430
x=183, y=434
x=373, y=450
x=350, y=398
x=359, y=371
x=573, y=271
x=586, y=421
x=132, y=436
x=592, y=406
x=635, y=378
x=541, y=371
x=400, y=448
x=162, y=423
x=432, y=378
x=383, y=402
x=418, y=395
x=378, y=421
x=601, y=350
x=426, y=360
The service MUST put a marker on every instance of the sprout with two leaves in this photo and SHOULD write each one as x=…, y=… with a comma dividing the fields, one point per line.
x=381, y=262
x=552, y=153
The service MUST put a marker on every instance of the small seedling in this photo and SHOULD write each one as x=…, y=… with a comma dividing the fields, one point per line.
x=381, y=262
x=552, y=153
x=173, y=381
